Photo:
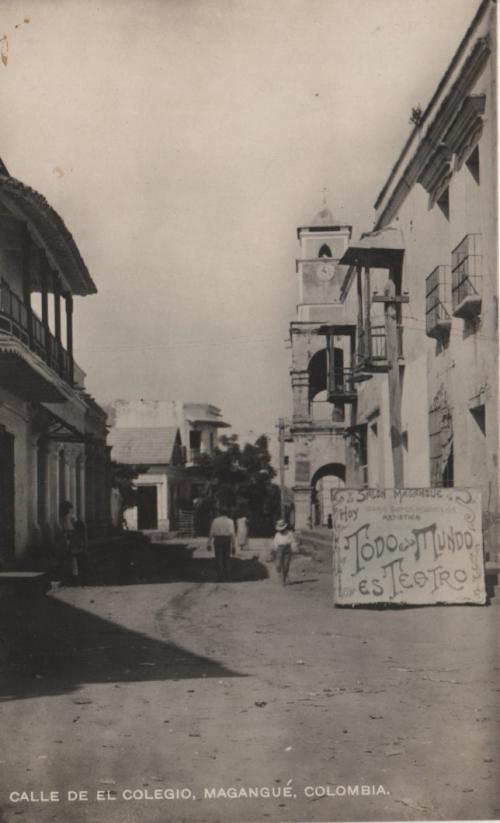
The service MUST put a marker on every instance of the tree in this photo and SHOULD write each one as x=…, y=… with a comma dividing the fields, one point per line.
x=240, y=480
x=122, y=478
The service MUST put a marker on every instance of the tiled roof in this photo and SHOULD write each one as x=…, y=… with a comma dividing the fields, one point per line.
x=47, y=226
x=143, y=447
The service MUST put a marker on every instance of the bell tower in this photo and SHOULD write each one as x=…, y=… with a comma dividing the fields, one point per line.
x=322, y=244
x=320, y=364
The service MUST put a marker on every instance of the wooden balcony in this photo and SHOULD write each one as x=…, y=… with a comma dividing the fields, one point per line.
x=30, y=355
x=341, y=386
x=466, y=286
x=371, y=356
x=438, y=303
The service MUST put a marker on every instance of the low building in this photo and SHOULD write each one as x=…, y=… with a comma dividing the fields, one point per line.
x=165, y=442
x=156, y=454
x=52, y=433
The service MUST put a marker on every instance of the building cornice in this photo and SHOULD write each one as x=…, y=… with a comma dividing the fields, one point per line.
x=49, y=232
x=430, y=155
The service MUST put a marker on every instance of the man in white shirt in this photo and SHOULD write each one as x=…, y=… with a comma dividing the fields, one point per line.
x=222, y=540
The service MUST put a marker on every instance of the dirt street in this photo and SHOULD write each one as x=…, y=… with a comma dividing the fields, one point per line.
x=158, y=694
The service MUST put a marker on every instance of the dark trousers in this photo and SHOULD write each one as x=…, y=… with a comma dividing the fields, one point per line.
x=283, y=560
x=222, y=549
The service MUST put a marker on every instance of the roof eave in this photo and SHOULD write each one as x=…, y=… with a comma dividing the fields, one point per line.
x=49, y=231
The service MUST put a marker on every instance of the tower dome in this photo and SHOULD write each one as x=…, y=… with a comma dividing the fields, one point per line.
x=324, y=217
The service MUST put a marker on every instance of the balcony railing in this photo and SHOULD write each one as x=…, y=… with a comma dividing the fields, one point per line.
x=438, y=303
x=371, y=354
x=466, y=272
x=341, y=385
x=20, y=321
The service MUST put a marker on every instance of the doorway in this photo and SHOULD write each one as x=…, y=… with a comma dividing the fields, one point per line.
x=147, y=507
x=327, y=477
x=7, y=495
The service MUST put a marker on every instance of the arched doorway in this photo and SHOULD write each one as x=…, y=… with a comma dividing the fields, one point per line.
x=327, y=477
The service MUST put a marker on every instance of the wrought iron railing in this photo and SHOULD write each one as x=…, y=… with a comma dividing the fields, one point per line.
x=20, y=321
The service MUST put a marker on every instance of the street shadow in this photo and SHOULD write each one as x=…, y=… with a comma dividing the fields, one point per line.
x=165, y=563
x=49, y=647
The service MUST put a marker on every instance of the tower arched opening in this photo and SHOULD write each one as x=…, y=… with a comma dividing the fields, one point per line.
x=327, y=477
x=319, y=406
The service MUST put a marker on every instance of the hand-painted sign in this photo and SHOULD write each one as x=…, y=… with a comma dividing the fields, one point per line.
x=412, y=546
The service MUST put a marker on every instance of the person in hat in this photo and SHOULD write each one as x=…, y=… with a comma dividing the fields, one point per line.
x=284, y=545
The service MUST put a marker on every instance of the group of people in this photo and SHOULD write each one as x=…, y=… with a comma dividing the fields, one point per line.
x=224, y=540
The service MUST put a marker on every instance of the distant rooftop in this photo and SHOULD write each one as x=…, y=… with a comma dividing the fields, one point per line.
x=143, y=447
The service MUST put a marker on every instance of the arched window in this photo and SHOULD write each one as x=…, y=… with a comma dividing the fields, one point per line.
x=325, y=251
x=317, y=369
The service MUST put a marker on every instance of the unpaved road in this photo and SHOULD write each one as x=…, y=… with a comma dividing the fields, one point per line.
x=141, y=686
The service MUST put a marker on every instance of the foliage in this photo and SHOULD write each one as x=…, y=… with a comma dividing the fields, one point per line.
x=122, y=478
x=240, y=481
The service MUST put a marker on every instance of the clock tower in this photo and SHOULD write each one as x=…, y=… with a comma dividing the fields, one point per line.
x=322, y=244
x=322, y=343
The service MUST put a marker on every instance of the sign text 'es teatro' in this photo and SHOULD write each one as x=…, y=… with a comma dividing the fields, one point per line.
x=407, y=546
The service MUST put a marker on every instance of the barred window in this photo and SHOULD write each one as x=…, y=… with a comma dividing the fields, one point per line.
x=466, y=262
x=441, y=444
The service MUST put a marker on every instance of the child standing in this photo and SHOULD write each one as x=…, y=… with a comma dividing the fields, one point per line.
x=285, y=545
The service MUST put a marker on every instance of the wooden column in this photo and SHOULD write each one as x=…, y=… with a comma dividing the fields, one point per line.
x=359, y=283
x=392, y=302
x=368, y=333
x=57, y=305
x=391, y=330
x=69, y=332
x=25, y=264
x=281, y=437
x=69, y=323
x=44, y=278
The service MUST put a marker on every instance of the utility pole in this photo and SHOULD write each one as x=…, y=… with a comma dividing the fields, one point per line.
x=392, y=301
x=281, y=436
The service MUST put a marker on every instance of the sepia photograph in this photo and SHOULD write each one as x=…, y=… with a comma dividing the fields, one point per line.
x=249, y=442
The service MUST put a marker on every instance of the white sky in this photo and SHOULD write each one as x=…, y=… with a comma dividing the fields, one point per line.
x=183, y=141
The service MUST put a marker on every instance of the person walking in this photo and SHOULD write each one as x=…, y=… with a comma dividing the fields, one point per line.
x=285, y=545
x=242, y=533
x=222, y=540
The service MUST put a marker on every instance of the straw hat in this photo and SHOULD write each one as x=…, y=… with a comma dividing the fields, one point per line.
x=281, y=526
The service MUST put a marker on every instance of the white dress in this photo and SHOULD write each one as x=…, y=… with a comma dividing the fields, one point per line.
x=242, y=533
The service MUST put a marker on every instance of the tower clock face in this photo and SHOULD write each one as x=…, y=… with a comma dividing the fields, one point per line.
x=326, y=271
